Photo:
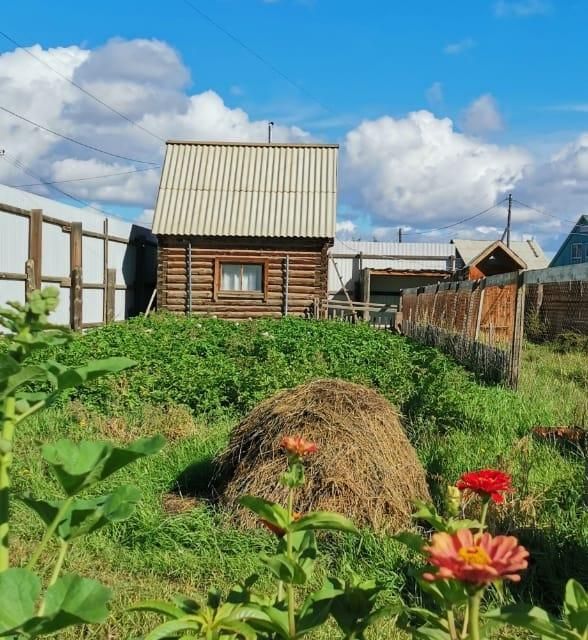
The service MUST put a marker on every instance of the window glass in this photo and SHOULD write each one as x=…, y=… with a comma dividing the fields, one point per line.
x=576, y=252
x=241, y=277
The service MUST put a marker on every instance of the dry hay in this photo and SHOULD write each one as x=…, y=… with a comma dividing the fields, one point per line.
x=365, y=468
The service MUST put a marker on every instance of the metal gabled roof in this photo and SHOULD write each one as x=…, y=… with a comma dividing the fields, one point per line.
x=527, y=250
x=247, y=189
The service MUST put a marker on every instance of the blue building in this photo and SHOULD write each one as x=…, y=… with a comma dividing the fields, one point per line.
x=574, y=250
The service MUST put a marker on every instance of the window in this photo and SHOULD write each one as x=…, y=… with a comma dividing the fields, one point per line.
x=241, y=277
x=576, y=252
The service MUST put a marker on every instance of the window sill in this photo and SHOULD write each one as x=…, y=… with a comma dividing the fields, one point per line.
x=256, y=295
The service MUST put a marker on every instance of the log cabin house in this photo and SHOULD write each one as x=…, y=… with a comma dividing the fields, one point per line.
x=244, y=229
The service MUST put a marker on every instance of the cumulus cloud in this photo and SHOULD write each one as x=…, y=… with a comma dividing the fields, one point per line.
x=455, y=48
x=482, y=116
x=421, y=166
x=144, y=79
x=345, y=228
x=521, y=8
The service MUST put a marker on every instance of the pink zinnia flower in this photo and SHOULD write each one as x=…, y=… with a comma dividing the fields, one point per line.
x=298, y=446
x=475, y=558
x=487, y=483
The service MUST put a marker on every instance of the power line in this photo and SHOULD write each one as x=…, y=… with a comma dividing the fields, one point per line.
x=107, y=175
x=68, y=138
x=24, y=169
x=545, y=213
x=255, y=54
x=85, y=91
x=459, y=222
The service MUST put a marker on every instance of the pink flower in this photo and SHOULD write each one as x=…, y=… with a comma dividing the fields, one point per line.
x=298, y=446
x=475, y=558
x=487, y=483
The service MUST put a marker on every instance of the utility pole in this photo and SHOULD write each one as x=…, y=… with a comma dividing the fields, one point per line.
x=508, y=219
x=269, y=132
x=399, y=234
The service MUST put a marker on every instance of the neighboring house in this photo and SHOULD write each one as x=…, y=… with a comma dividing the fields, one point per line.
x=476, y=259
x=574, y=250
x=378, y=271
x=244, y=228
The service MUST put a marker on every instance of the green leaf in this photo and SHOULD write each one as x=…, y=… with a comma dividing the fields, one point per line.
x=324, y=520
x=76, y=600
x=86, y=516
x=159, y=606
x=76, y=376
x=25, y=375
x=285, y=569
x=576, y=598
x=19, y=591
x=173, y=628
x=80, y=465
x=413, y=541
x=241, y=629
x=447, y=593
x=266, y=510
x=534, y=619
x=429, y=514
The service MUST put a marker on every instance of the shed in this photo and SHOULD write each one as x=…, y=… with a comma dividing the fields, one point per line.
x=377, y=272
x=479, y=258
x=244, y=228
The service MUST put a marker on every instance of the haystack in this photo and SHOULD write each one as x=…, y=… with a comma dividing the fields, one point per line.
x=365, y=467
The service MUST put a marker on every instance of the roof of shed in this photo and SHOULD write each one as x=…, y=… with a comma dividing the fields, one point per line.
x=247, y=189
x=527, y=250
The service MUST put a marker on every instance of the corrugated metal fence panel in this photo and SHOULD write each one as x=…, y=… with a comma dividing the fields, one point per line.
x=93, y=260
x=122, y=258
x=55, y=251
x=92, y=306
x=213, y=189
x=61, y=314
x=123, y=301
x=14, y=242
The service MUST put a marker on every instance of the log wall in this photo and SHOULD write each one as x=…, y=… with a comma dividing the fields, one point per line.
x=307, y=283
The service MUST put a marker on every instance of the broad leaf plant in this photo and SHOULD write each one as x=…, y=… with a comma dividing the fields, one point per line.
x=31, y=605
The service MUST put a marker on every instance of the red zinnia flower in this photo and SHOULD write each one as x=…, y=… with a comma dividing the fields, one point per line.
x=298, y=446
x=475, y=558
x=487, y=483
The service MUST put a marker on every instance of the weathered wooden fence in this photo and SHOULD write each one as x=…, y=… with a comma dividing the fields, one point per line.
x=479, y=323
x=103, y=275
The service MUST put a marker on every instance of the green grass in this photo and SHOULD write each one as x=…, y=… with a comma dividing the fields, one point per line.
x=195, y=378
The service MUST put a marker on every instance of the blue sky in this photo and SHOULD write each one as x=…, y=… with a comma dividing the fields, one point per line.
x=510, y=76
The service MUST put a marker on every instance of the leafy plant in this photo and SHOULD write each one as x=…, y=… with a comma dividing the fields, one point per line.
x=281, y=615
x=29, y=608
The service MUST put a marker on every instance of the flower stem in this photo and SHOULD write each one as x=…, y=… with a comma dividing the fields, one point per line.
x=289, y=586
x=49, y=532
x=63, y=548
x=466, y=617
x=474, y=610
x=484, y=515
x=451, y=623
x=6, y=437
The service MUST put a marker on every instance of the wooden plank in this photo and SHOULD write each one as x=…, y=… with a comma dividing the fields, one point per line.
x=75, y=261
x=35, y=249
x=6, y=275
x=105, y=266
x=568, y=273
x=518, y=332
x=110, y=295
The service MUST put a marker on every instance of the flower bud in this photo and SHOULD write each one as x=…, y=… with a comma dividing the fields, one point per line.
x=452, y=500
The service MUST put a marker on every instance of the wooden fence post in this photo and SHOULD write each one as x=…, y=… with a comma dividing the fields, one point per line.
x=482, y=284
x=75, y=261
x=110, y=293
x=105, y=248
x=518, y=331
x=34, y=265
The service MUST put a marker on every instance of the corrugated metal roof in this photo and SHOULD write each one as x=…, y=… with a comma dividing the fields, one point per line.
x=528, y=250
x=242, y=189
x=408, y=256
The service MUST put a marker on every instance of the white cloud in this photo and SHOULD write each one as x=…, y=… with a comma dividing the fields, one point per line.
x=482, y=116
x=455, y=48
x=345, y=227
x=521, y=8
x=146, y=217
x=434, y=94
x=421, y=168
x=144, y=79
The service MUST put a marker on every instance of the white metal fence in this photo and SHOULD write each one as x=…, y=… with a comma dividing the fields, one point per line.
x=104, y=267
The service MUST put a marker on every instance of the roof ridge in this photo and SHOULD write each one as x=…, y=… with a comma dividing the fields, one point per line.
x=220, y=143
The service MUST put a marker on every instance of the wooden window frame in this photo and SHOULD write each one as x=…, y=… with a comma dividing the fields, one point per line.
x=580, y=258
x=255, y=295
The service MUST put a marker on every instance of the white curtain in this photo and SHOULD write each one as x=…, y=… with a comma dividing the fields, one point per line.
x=252, y=277
x=231, y=277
